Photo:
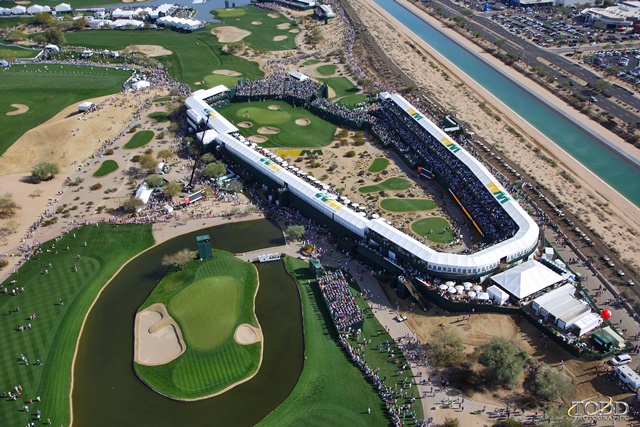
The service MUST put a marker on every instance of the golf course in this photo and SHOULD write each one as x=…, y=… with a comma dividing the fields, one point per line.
x=407, y=205
x=435, y=229
x=391, y=184
x=212, y=302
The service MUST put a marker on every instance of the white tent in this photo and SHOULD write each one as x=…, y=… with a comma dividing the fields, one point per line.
x=587, y=323
x=5, y=11
x=18, y=10
x=63, y=7
x=84, y=106
x=52, y=47
x=497, y=294
x=298, y=76
x=168, y=209
x=142, y=84
x=526, y=279
x=143, y=193
x=36, y=8
x=4, y=63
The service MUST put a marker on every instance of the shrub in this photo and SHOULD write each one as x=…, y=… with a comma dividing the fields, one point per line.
x=95, y=187
x=350, y=154
x=108, y=152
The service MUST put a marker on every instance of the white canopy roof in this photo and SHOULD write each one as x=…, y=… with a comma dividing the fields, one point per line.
x=298, y=75
x=526, y=279
x=18, y=10
x=63, y=7
x=199, y=110
x=141, y=84
x=143, y=193
x=497, y=294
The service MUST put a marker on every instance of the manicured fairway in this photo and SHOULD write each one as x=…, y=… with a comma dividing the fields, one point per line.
x=106, y=168
x=54, y=332
x=378, y=165
x=318, y=133
x=391, y=184
x=17, y=52
x=195, y=55
x=351, y=101
x=437, y=225
x=407, y=205
x=331, y=390
x=208, y=300
x=46, y=90
x=262, y=35
x=341, y=85
x=158, y=116
x=326, y=70
x=220, y=79
x=142, y=138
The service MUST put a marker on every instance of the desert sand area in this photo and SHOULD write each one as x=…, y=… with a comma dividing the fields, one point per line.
x=246, y=334
x=229, y=34
x=602, y=209
x=150, y=50
x=158, y=339
x=19, y=109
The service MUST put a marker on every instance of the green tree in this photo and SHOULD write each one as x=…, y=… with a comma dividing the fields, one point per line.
x=8, y=206
x=54, y=36
x=214, y=170
x=208, y=158
x=154, y=181
x=234, y=186
x=550, y=384
x=148, y=163
x=295, y=232
x=500, y=43
x=601, y=85
x=44, y=171
x=172, y=189
x=43, y=18
x=502, y=361
x=79, y=24
x=165, y=154
x=39, y=39
x=599, y=26
x=179, y=259
x=132, y=204
x=451, y=422
x=446, y=347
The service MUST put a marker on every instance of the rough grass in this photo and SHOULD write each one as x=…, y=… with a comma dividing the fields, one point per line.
x=351, y=101
x=14, y=20
x=327, y=69
x=48, y=90
x=391, y=184
x=341, y=85
x=378, y=165
x=422, y=228
x=16, y=51
x=331, y=390
x=106, y=168
x=228, y=13
x=159, y=116
x=141, y=138
x=55, y=331
x=319, y=133
x=407, y=205
x=208, y=300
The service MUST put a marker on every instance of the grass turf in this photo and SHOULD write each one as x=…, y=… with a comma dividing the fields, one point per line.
x=407, y=205
x=14, y=20
x=106, y=168
x=17, y=52
x=163, y=99
x=261, y=37
x=311, y=62
x=56, y=328
x=158, y=116
x=46, y=90
x=208, y=300
x=319, y=133
x=342, y=86
x=391, y=184
x=142, y=138
x=331, y=390
x=327, y=69
x=350, y=101
x=378, y=165
x=220, y=79
x=195, y=55
x=440, y=227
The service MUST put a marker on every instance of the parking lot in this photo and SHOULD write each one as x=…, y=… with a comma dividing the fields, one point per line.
x=624, y=64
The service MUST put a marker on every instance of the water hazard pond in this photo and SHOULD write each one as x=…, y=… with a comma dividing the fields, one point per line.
x=107, y=392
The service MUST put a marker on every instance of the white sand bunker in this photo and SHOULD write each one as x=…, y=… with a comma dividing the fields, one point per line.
x=245, y=124
x=279, y=38
x=258, y=139
x=246, y=334
x=201, y=82
x=273, y=15
x=256, y=23
x=273, y=107
x=150, y=50
x=158, y=339
x=268, y=130
x=227, y=73
x=283, y=26
x=19, y=109
x=303, y=122
x=294, y=31
x=230, y=34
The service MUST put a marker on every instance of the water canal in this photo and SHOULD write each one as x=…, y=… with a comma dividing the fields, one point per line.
x=107, y=392
x=607, y=165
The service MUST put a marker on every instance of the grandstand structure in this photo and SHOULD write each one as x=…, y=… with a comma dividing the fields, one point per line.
x=509, y=232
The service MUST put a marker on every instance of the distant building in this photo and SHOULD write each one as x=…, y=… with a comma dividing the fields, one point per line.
x=626, y=14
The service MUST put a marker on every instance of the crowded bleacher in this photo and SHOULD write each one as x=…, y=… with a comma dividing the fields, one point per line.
x=342, y=305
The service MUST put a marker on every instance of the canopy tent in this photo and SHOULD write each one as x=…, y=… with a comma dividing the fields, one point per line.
x=526, y=279
x=84, y=106
x=497, y=294
x=143, y=193
x=587, y=323
x=471, y=294
x=142, y=84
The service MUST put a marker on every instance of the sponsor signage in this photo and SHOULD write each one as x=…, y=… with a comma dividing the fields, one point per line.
x=500, y=195
x=328, y=201
x=299, y=153
x=273, y=165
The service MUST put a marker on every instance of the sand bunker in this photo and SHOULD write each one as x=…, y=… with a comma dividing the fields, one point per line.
x=256, y=23
x=19, y=109
x=273, y=15
x=283, y=26
x=258, y=139
x=230, y=34
x=150, y=50
x=201, y=82
x=273, y=107
x=279, y=38
x=268, y=130
x=295, y=31
x=245, y=124
x=227, y=73
x=246, y=334
x=303, y=122
x=158, y=339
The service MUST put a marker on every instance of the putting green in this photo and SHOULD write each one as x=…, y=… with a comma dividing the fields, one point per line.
x=378, y=165
x=106, y=168
x=220, y=79
x=229, y=13
x=351, y=101
x=435, y=229
x=311, y=62
x=140, y=139
x=391, y=184
x=264, y=116
x=326, y=70
x=407, y=205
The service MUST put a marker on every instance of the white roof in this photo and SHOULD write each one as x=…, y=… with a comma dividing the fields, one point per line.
x=62, y=7
x=141, y=84
x=588, y=323
x=562, y=293
x=119, y=23
x=18, y=10
x=526, y=279
x=52, y=47
x=199, y=110
x=143, y=192
x=298, y=75
x=497, y=294
x=180, y=22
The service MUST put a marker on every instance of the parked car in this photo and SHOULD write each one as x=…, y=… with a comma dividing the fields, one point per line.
x=621, y=359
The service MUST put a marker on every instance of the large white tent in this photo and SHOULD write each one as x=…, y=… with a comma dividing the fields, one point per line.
x=526, y=279
x=497, y=295
x=18, y=10
x=143, y=193
x=63, y=7
x=142, y=84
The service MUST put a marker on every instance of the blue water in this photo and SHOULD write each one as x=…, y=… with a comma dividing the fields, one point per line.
x=611, y=168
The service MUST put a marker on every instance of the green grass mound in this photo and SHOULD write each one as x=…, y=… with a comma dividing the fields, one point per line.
x=47, y=89
x=342, y=86
x=17, y=52
x=435, y=229
x=407, y=205
x=378, y=165
x=352, y=101
x=142, y=138
x=208, y=300
x=163, y=99
x=55, y=331
x=319, y=132
x=326, y=70
x=311, y=62
x=159, y=116
x=331, y=390
x=106, y=168
x=391, y=184
x=220, y=79
x=229, y=13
